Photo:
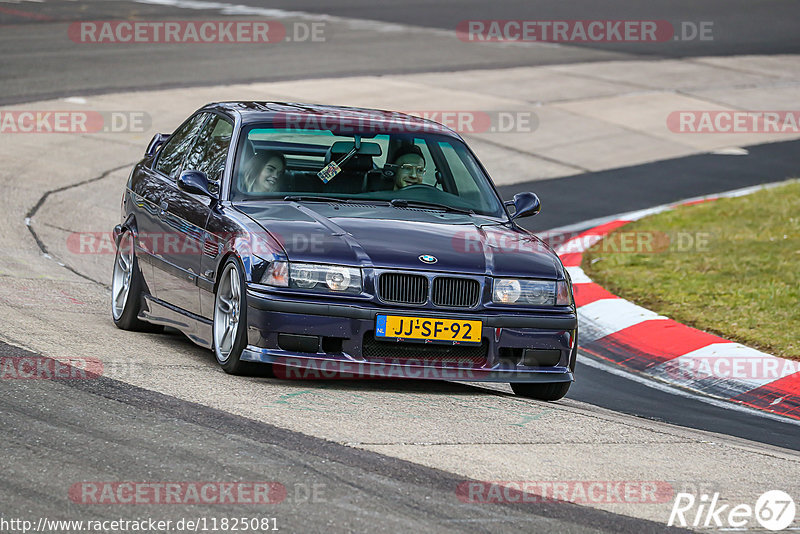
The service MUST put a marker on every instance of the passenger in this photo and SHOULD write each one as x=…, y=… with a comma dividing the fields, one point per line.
x=262, y=172
x=410, y=166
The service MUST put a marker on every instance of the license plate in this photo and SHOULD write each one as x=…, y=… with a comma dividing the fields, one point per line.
x=428, y=329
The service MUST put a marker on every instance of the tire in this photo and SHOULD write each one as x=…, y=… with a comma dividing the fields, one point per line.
x=126, y=289
x=547, y=392
x=230, y=319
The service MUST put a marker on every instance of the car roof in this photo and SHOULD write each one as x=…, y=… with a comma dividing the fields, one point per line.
x=252, y=112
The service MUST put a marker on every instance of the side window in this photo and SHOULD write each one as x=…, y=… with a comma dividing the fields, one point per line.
x=172, y=154
x=210, y=151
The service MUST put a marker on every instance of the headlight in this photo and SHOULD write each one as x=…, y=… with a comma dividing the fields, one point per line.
x=531, y=292
x=334, y=278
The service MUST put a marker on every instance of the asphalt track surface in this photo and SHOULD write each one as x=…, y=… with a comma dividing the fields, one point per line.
x=748, y=27
x=131, y=429
x=584, y=197
x=137, y=431
x=742, y=26
x=38, y=62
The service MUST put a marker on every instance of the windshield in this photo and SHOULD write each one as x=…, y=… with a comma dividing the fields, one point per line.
x=412, y=169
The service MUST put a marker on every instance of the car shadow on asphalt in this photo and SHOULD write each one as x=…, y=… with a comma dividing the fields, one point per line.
x=200, y=355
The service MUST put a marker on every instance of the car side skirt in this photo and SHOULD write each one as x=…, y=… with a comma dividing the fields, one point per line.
x=196, y=328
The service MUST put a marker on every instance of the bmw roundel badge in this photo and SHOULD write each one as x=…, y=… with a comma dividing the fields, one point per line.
x=427, y=258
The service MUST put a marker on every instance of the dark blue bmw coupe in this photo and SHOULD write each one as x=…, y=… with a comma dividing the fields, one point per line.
x=340, y=242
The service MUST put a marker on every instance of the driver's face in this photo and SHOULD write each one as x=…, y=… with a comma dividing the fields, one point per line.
x=410, y=170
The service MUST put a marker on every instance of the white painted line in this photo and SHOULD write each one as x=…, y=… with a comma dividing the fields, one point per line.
x=671, y=389
x=731, y=151
x=607, y=316
x=578, y=244
x=641, y=214
x=578, y=276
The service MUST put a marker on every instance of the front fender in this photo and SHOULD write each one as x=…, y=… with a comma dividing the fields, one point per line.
x=128, y=225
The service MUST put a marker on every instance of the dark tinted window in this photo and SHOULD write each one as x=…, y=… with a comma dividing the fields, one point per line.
x=211, y=150
x=173, y=153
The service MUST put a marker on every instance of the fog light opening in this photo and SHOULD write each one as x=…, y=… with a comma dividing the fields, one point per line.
x=541, y=358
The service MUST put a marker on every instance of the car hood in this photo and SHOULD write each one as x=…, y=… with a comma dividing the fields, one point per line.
x=388, y=237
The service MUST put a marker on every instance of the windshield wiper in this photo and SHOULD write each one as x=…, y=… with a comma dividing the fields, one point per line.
x=403, y=203
x=313, y=198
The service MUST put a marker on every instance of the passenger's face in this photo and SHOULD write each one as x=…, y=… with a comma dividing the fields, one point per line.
x=268, y=177
x=410, y=170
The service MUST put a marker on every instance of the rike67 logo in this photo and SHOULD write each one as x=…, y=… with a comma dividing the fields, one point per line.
x=774, y=510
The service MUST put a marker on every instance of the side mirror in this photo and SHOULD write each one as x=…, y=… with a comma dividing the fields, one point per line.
x=155, y=143
x=525, y=205
x=195, y=182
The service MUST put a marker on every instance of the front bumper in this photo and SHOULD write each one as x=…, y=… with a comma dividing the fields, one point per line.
x=345, y=346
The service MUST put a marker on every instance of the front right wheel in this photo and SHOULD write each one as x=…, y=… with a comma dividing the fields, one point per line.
x=126, y=288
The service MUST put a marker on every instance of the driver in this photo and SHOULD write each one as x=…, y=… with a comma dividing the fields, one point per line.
x=410, y=167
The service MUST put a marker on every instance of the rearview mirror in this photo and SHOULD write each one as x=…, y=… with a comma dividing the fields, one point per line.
x=366, y=149
x=525, y=205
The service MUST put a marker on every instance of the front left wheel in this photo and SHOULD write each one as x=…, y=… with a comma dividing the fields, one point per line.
x=230, y=319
